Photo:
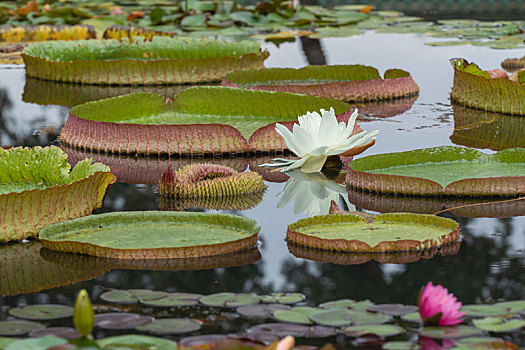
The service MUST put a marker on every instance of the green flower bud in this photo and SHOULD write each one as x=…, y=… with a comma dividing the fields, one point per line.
x=84, y=317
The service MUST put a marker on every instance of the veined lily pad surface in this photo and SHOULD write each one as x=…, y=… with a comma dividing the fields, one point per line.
x=441, y=171
x=162, y=60
x=199, y=121
x=353, y=83
x=152, y=235
x=37, y=188
x=386, y=233
x=473, y=87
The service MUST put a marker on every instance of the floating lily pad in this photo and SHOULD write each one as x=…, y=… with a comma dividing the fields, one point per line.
x=200, y=121
x=447, y=170
x=42, y=312
x=393, y=309
x=170, y=326
x=499, y=324
x=400, y=345
x=38, y=189
x=174, y=299
x=45, y=342
x=162, y=60
x=61, y=332
x=199, y=340
x=353, y=83
x=25, y=270
x=381, y=330
x=412, y=317
x=14, y=328
x=152, y=235
x=121, y=320
x=346, y=317
x=338, y=304
x=298, y=314
x=499, y=94
x=133, y=340
x=497, y=309
x=450, y=332
x=230, y=299
x=280, y=330
x=4, y=341
x=283, y=298
x=483, y=343
x=119, y=297
x=386, y=233
x=260, y=310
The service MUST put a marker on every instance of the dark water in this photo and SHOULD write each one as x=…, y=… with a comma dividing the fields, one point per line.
x=489, y=265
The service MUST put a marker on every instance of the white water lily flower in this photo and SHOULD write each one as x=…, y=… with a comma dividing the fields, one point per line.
x=315, y=138
x=312, y=193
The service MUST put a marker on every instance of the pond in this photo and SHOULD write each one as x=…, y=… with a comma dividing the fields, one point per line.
x=488, y=266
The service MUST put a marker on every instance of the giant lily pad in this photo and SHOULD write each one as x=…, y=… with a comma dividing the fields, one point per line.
x=162, y=60
x=473, y=87
x=25, y=270
x=440, y=171
x=152, y=235
x=481, y=129
x=386, y=233
x=38, y=189
x=200, y=121
x=353, y=83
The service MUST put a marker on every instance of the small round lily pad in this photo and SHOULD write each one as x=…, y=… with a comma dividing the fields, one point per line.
x=42, y=312
x=14, y=328
x=381, y=330
x=170, y=326
x=121, y=320
x=346, y=317
x=230, y=299
x=450, y=332
x=283, y=298
x=61, y=332
x=152, y=235
x=200, y=340
x=280, y=330
x=260, y=310
x=386, y=233
x=393, y=309
x=174, y=299
x=132, y=340
x=499, y=324
x=119, y=297
x=297, y=314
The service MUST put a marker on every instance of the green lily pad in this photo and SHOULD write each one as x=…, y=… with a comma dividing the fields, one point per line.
x=338, y=304
x=500, y=95
x=393, y=309
x=121, y=320
x=441, y=171
x=136, y=340
x=499, y=324
x=15, y=328
x=174, y=299
x=298, y=314
x=200, y=121
x=42, y=312
x=386, y=233
x=260, y=310
x=42, y=175
x=481, y=343
x=412, y=317
x=450, y=332
x=152, y=235
x=119, y=297
x=381, y=330
x=146, y=294
x=400, y=345
x=4, y=341
x=163, y=60
x=36, y=343
x=346, y=317
x=283, y=298
x=497, y=309
x=230, y=299
x=170, y=326
x=353, y=83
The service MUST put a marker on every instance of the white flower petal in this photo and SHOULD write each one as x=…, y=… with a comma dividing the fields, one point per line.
x=288, y=138
x=313, y=164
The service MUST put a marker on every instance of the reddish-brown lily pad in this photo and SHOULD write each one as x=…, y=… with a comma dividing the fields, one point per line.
x=386, y=233
x=121, y=320
x=200, y=121
x=152, y=235
x=447, y=170
x=352, y=83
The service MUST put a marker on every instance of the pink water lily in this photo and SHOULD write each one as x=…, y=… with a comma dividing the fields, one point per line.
x=438, y=307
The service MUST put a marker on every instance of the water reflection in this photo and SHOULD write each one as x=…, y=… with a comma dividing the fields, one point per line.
x=312, y=193
x=480, y=129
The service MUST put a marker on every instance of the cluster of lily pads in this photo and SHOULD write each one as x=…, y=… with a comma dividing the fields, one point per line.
x=362, y=323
